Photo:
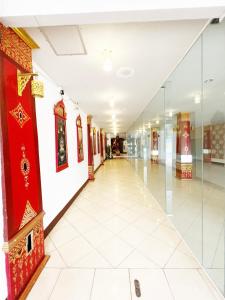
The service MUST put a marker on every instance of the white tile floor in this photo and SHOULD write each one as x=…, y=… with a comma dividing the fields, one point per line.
x=114, y=233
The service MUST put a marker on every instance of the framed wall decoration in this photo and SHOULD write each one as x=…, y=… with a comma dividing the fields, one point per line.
x=80, y=150
x=94, y=141
x=98, y=141
x=60, y=136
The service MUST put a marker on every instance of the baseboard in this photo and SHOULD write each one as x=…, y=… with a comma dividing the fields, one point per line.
x=96, y=170
x=34, y=278
x=62, y=212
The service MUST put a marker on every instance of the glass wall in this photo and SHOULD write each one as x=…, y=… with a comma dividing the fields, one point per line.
x=177, y=146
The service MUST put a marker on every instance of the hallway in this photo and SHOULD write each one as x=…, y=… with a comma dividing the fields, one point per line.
x=115, y=232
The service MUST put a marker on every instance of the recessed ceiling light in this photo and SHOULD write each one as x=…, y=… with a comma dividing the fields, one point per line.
x=208, y=80
x=197, y=99
x=157, y=121
x=125, y=72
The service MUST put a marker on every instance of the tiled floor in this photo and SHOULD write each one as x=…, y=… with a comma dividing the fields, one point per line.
x=114, y=233
x=197, y=209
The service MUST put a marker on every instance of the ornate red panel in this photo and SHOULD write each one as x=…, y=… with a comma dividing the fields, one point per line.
x=94, y=141
x=184, y=157
x=60, y=136
x=98, y=141
x=80, y=150
x=154, y=145
x=23, y=228
x=90, y=150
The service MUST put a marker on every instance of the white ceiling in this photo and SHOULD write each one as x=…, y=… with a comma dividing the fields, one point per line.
x=151, y=49
x=67, y=12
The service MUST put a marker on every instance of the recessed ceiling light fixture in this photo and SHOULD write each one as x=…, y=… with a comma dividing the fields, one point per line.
x=157, y=121
x=125, y=72
x=197, y=99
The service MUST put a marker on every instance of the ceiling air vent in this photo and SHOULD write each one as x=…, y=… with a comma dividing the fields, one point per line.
x=64, y=40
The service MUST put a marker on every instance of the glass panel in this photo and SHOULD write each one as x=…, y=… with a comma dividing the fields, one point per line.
x=183, y=127
x=177, y=147
x=213, y=151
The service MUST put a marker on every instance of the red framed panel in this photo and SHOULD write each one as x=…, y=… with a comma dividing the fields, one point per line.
x=21, y=185
x=94, y=141
x=98, y=141
x=60, y=136
x=80, y=148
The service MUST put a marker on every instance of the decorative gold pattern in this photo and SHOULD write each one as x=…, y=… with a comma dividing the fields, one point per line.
x=25, y=167
x=8, y=246
x=37, y=88
x=20, y=115
x=28, y=215
x=89, y=118
x=25, y=37
x=22, y=80
x=15, y=48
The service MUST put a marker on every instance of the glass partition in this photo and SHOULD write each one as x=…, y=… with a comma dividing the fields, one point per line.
x=177, y=146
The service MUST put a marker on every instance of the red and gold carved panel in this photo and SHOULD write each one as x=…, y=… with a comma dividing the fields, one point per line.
x=80, y=149
x=94, y=141
x=60, y=136
x=98, y=141
x=20, y=180
x=218, y=141
x=90, y=150
x=154, y=145
x=183, y=147
x=101, y=146
x=15, y=48
x=207, y=144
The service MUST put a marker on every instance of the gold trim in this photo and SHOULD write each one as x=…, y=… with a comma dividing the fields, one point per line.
x=22, y=80
x=7, y=246
x=25, y=37
x=89, y=118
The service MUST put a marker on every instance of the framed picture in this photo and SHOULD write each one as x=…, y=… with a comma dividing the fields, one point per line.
x=80, y=150
x=60, y=136
x=98, y=141
x=94, y=141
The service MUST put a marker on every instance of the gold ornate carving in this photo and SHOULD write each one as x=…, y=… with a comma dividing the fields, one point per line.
x=25, y=167
x=22, y=80
x=28, y=215
x=37, y=88
x=8, y=246
x=26, y=37
x=20, y=115
x=89, y=118
x=15, y=48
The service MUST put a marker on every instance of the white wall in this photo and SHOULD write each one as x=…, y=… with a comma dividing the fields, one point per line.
x=58, y=188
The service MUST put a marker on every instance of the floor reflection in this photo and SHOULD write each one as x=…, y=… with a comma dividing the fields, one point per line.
x=198, y=210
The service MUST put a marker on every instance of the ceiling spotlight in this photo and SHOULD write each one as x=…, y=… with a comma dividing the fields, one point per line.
x=157, y=121
x=208, y=80
x=197, y=99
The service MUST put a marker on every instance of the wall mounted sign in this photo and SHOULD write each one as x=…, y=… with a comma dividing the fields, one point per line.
x=80, y=150
x=60, y=136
